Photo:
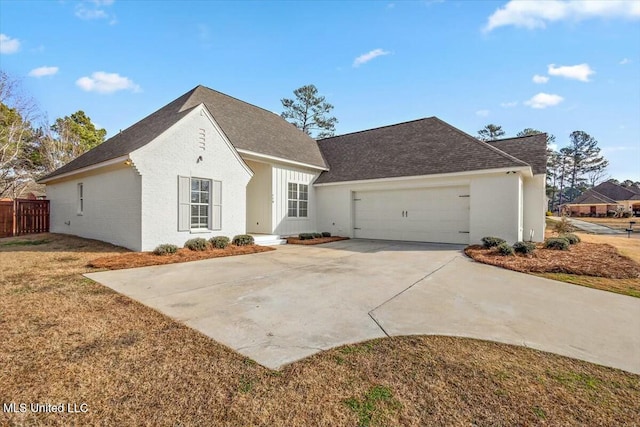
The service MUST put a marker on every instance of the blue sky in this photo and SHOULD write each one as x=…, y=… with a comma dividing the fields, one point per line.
x=557, y=66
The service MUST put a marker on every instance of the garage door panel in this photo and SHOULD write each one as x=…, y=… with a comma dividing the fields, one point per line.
x=429, y=215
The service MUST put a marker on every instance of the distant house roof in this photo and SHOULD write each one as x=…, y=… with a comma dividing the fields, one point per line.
x=607, y=192
x=592, y=197
x=531, y=149
x=422, y=147
x=246, y=126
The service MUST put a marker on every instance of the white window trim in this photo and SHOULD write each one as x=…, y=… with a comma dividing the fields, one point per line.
x=298, y=200
x=214, y=219
x=80, y=199
x=208, y=205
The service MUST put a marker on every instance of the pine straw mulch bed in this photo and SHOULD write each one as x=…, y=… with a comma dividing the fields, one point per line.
x=145, y=259
x=587, y=259
x=316, y=241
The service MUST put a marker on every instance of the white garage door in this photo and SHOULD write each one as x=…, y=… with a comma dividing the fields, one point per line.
x=421, y=215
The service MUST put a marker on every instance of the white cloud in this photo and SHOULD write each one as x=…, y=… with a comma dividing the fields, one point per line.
x=482, y=113
x=102, y=82
x=577, y=72
x=544, y=100
x=624, y=61
x=95, y=9
x=536, y=14
x=366, y=57
x=540, y=79
x=43, y=71
x=8, y=45
x=509, y=104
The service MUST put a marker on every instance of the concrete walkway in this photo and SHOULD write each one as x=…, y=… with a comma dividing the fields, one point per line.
x=281, y=306
x=590, y=227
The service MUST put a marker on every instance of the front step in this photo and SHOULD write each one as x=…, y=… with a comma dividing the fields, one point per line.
x=268, y=239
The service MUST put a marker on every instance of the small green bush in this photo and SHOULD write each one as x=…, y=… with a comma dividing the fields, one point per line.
x=490, y=242
x=572, y=238
x=559, y=243
x=317, y=235
x=219, y=242
x=504, y=249
x=524, y=247
x=165, y=249
x=326, y=234
x=305, y=236
x=197, y=244
x=243, y=240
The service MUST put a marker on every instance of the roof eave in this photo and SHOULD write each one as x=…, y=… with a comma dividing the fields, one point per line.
x=85, y=169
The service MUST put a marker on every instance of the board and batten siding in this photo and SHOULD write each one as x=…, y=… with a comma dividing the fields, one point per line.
x=111, y=206
x=282, y=224
x=194, y=147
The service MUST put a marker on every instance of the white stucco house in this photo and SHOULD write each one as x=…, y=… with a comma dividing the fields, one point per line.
x=208, y=164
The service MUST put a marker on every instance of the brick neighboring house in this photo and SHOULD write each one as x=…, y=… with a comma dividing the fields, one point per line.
x=605, y=198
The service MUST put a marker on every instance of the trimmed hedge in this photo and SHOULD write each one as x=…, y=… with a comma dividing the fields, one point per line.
x=305, y=236
x=490, y=242
x=572, y=238
x=243, y=240
x=326, y=234
x=317, y=235
x=559, y=243
x=524, y=247
x=219, y=242
x=504, y=249
x=197, y=244
x=165, y=249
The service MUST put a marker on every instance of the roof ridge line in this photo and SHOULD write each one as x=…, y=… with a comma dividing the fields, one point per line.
x=234, y=98
x=379, y=127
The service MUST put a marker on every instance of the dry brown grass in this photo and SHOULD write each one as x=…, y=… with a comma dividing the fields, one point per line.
x=145, y=259
x=67, y=339
x=316, y=241
x=629, y=247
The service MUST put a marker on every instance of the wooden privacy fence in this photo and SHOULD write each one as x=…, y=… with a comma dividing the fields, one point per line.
x=22, y=216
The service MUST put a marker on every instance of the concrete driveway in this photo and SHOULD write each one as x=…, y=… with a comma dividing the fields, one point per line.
x=281, y=306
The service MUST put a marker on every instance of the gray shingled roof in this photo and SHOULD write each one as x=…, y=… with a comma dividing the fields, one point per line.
x=248, y=127
x=616, y=191
x=531, y=149
x=420, y=147
x=592, y=197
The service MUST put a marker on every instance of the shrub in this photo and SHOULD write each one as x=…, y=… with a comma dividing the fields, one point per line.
x=243, y=240
x=611, y=214
x=563, y=226
x=305, y=236
x=165, y=249
x=326, y=234
x=197, y=244
x=626, y=214
x=524, y=247
x=317, y=235
x=490, y=242
x=559, y=243
x=219, y=242
x=549, y=213
x=572, y=238
x=504, y=249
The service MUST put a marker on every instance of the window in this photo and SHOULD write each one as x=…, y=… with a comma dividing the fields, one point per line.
x=297, y=200
x=80, y=199
x=199, y=204
x=200, y=191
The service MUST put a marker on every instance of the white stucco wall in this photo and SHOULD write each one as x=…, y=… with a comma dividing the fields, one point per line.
x=112, y=211
x=176, y=153
x=281, y=223
x=259, y=198
x=535, y=206
x=496, y=207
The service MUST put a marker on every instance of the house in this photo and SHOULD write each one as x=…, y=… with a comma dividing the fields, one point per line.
x=605, y=198
x=209, y=164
